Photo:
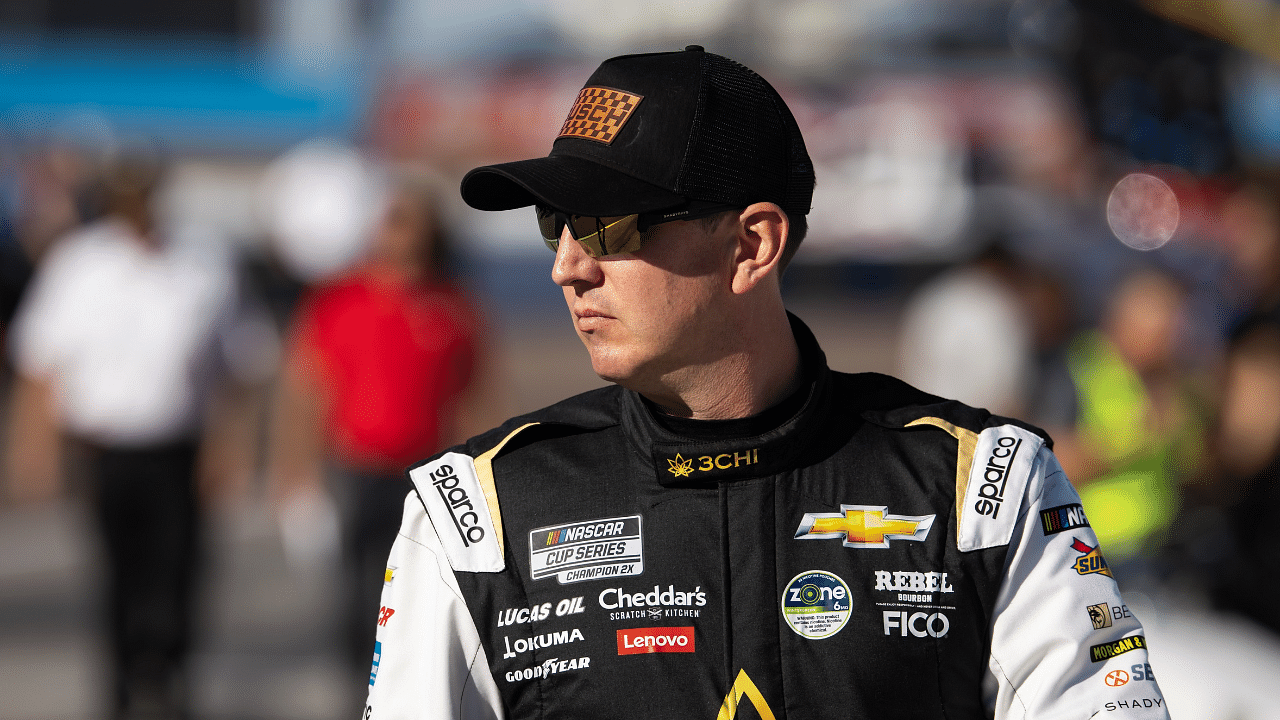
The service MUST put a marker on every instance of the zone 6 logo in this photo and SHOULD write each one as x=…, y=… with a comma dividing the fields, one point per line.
x=1116, y=678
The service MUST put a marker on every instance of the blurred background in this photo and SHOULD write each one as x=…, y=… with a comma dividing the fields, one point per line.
x=239, y=293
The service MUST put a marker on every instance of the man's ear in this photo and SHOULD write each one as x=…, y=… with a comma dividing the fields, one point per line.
x=762, y=230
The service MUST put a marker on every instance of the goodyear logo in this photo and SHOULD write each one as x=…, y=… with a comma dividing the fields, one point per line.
x=599, y=113
x=1106, y=651
x=864, y=526
x=1091, y=561
x=1064, y=517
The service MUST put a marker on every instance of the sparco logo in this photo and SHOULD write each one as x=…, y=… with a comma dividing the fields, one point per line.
x=455, y=498
x=995, y=475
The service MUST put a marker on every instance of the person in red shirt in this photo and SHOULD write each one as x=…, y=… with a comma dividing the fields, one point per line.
x=379, y=373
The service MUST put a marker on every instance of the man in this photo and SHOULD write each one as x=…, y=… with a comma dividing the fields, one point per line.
x=118, y=346
x=732, y=530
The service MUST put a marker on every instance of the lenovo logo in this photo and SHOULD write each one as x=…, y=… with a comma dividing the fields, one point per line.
x=632, y=641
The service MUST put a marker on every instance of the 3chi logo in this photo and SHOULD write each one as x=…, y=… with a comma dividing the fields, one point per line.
x=684, y=467
x=1116, y=678
x=680, y=467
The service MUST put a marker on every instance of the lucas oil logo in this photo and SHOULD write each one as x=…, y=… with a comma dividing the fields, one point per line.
x=864, y=526
x=816, y=604
x=1091, y=561
x=589, y=550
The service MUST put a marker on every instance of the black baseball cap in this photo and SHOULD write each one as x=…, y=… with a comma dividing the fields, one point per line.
x=651, y=132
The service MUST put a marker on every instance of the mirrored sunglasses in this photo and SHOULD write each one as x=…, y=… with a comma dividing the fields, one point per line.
x=600, y=236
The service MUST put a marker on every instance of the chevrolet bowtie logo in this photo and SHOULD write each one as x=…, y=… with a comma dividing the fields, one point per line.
x=864, y=526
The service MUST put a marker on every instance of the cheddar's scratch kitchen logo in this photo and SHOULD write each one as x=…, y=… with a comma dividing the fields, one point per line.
x=864, y=526
x=680, y=466
x=1091, y=561
x=588, y=550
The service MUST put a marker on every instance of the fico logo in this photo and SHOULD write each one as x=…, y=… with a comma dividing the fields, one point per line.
x=918, y=624
x=633, y=641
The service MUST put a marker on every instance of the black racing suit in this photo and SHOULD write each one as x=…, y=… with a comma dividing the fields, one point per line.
x=874, y=552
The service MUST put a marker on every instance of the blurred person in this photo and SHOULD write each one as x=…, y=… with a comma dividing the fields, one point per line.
x=116, y=347
x=1140, y=430
x=381, y=369
x=1244, y=565
x=967, y=335
x=731, y=528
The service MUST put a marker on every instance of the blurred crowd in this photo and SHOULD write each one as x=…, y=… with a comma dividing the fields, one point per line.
x=1112, y=276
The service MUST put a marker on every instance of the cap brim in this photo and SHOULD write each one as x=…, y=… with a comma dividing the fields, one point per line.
x=567, y=183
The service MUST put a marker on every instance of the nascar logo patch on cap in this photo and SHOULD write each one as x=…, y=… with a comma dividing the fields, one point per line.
x=599, y=113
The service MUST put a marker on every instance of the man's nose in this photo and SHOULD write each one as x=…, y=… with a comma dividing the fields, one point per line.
x=573, y=265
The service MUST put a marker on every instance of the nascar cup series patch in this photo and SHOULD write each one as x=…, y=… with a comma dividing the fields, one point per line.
x=816, y=604
x=997, y=482
x=587, y=550
x=455, y=502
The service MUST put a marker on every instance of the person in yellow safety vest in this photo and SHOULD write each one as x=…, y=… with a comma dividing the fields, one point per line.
x=1138, y=432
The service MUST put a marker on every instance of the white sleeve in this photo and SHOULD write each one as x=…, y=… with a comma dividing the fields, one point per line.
x=1063, y=643
x=428, y=662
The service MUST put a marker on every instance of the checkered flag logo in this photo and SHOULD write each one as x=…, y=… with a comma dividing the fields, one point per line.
x=599, y=113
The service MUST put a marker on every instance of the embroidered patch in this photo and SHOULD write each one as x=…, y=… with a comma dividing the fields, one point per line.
x=451, y=492
x=998, y=479
x=587, y=550
x=599, y=113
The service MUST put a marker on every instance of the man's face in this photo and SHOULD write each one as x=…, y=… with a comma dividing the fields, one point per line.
x=647, y=315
